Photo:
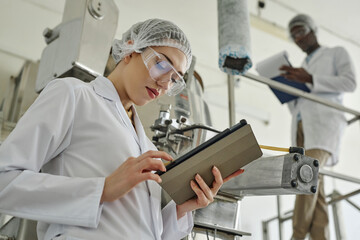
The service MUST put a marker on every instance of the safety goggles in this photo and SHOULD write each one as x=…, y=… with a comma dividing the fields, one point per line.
x=300, y=31
x=162, y=71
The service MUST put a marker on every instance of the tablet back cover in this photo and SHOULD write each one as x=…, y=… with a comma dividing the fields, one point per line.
x=229, y=154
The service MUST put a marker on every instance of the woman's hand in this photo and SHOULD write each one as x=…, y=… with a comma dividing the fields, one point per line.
x=132, y=172
x=205, y=194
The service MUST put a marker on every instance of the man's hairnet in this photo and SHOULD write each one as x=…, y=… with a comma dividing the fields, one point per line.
x=301, y=20
x=152, y=32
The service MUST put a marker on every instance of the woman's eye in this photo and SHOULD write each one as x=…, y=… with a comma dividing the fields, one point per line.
x=162, y=66
x=174, y=78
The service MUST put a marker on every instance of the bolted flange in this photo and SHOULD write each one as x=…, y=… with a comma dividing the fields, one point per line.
x=316, y=163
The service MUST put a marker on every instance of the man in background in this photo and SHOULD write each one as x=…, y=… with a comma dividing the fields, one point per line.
x=329, y=73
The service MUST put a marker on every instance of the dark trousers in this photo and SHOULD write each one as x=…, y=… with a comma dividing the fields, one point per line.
x=310, y=212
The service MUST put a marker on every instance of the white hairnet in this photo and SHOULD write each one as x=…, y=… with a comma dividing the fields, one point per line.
x=301, y=20
x=152, y=32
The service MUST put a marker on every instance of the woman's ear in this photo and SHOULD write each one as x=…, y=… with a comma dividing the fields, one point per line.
x=127, y=58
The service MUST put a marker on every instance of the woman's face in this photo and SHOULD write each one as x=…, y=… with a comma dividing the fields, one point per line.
x=139, y=86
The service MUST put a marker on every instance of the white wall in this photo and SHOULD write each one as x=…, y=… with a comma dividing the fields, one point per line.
x=22, y=23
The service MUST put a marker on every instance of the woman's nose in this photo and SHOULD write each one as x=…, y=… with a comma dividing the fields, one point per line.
x=165, y=81
x=165, y=85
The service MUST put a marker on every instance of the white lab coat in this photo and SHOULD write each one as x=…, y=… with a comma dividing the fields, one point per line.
x=333, y=74
x=77, y=133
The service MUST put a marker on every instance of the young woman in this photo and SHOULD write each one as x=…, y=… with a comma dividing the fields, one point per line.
x=79, y=161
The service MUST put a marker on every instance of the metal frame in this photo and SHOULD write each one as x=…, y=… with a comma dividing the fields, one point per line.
x=299, y=93
x=335, y=196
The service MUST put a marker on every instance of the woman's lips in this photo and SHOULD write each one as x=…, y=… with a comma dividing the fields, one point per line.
x=153, y=93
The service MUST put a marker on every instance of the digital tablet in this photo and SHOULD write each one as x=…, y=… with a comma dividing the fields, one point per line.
x=229, y=151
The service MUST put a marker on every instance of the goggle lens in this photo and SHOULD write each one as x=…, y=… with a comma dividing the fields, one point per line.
x=301, y=31
x=161, y=70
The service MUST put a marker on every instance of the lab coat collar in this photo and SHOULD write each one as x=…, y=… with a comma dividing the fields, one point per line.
x=143, y=139
x=105, y=88
x=318, y=52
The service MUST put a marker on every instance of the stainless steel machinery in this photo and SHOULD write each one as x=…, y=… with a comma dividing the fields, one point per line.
x=292, y=173
x=20, y=95
x=80, y=45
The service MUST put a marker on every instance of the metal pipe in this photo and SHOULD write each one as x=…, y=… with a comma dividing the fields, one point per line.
x=339, y=176
x=265, y=230
x=353, y=204
x=11, y=53
x=339, y=197
x=336, y=221
x=279, y=214
x=231, y=94
x=284, y=219
x=237, y=219
x=226, y=198
x=354, y=119
x=297, y=92
x=217, y=228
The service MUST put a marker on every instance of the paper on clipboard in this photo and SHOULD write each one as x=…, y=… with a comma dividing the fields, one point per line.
x=270, y=67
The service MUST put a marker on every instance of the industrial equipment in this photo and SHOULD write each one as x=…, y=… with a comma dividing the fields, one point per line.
x=79, y=46
x=20, y=95
x=292, y=173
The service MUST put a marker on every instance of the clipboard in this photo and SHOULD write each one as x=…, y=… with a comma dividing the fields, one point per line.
x=286, y=97
x=270, y=68
x=229, y=151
